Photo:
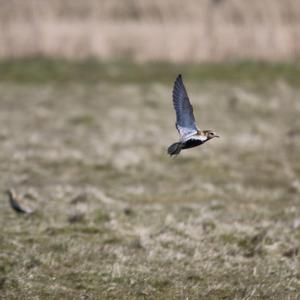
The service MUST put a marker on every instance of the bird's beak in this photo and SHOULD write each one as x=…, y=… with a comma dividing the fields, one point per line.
x=216, y=136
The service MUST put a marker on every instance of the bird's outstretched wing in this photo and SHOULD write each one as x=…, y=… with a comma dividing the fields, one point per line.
x=185, y=120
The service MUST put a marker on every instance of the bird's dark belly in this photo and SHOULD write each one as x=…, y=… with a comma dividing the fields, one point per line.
x=191, y=144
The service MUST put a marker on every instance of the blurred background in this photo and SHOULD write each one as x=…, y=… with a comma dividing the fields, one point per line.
x=86, y=117
x=189, y=31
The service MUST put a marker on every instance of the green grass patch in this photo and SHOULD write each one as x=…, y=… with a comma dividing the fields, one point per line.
x=39, y=70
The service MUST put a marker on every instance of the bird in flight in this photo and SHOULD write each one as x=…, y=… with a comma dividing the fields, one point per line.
x=190, y=135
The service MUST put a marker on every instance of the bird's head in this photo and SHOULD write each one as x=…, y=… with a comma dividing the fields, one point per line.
x=210, y=134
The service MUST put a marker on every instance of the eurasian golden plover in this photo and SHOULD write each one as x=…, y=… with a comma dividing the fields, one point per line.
x=190, y=135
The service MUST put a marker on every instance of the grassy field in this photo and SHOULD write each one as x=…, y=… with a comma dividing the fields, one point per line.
x=116, y=217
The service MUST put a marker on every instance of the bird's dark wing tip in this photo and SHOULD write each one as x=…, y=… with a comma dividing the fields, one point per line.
x=179, y=76
x=178, y=80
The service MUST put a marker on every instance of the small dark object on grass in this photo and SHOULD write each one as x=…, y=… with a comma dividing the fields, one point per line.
x=76, y=217
x=16, y=203
x=128, y=211
x=291, y=252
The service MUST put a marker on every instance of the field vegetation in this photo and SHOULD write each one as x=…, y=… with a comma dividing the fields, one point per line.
x=143, y=30
x=116, y=218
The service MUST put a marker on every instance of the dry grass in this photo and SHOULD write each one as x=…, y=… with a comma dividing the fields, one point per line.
x=194, y=31
x=118, y=219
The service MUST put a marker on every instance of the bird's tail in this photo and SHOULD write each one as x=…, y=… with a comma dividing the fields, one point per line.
x=175, y=149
